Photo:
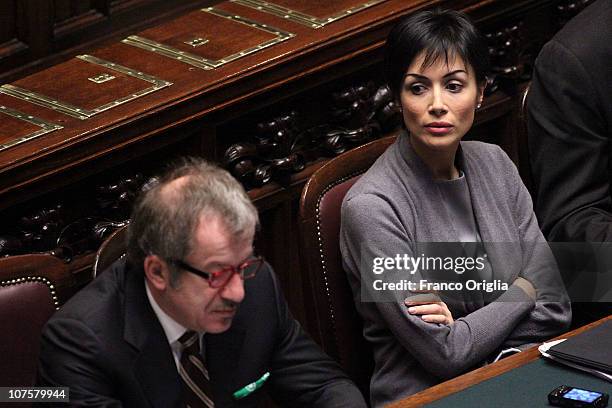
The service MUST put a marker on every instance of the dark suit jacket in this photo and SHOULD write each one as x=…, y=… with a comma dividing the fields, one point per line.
x=570, y=146
x=570, y=129
x=108, y=346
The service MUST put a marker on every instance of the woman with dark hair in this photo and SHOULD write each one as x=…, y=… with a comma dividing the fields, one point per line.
x=431, y=187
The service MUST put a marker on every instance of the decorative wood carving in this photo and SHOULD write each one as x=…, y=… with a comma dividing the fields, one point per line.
x=275, y=151
x=205, y=111
x=83, y=235
x=111, y=206
x=67, y=231
x=280, y=147
x=40, y=228
x=359, y=114
x=283, y=145
x=114, y=199
x=506, y=53
x=10, y=245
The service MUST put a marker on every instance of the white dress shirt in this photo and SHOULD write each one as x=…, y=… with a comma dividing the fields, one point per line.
x=172, y=329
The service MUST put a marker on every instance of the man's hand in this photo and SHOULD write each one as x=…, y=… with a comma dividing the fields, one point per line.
x=431, y=312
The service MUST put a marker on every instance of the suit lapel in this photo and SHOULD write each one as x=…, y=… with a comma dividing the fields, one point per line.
x=154, y=366
x=223, y=353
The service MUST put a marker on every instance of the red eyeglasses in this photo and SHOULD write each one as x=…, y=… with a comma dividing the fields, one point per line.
x=217, y=279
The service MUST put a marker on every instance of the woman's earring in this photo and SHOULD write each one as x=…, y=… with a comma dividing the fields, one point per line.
x=479, y=105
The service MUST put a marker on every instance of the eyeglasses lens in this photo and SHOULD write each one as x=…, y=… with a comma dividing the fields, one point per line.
x=247, y=270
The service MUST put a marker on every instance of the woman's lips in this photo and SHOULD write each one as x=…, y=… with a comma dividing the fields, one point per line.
x=439, y=128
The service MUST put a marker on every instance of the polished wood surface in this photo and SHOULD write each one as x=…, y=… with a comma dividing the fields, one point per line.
x=484, y=373
x=38, y=33
x=271, y=116
x=196, y=94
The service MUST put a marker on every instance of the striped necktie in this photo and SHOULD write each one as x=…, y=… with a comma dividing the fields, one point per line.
x=197, y=391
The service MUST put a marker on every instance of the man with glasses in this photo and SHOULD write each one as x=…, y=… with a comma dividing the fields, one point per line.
x=192, y=317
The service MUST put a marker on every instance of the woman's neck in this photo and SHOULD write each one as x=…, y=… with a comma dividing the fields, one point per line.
x=441, y=162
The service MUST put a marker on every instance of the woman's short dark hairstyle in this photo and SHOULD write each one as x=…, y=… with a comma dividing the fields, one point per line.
x=440, y=33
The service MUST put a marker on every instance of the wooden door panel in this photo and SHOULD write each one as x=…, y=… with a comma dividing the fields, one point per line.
x=11, y=42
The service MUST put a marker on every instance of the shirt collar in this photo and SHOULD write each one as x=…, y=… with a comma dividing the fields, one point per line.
x=172, y=329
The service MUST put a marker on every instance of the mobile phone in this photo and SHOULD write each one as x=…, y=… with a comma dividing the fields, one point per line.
x=568, y=396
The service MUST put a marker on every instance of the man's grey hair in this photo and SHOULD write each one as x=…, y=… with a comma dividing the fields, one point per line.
x=164, y=218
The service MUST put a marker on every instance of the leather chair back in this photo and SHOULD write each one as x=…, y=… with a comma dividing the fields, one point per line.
x=113, y=248
x=28, y=297
x=333, y=320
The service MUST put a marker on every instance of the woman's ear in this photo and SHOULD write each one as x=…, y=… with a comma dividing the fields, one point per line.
x=156, y=272
x=481, y=88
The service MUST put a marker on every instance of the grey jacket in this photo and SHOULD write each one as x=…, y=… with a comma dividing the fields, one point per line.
x=396, y=204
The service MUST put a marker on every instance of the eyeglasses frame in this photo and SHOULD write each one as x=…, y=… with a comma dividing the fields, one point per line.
x=209, y=276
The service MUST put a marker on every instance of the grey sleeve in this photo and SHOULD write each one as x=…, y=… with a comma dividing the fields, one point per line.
x=552, y=313
x=371, y=228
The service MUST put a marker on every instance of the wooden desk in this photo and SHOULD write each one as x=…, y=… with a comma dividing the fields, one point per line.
x=477, y=376
x=272, y=117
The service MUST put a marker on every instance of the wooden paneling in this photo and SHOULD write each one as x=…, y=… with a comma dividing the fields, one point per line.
x=189, y=38
x=65, y=10
x=101, y=85
x=72, y=17
x=121, y=6
x=38, y=33
x=10, y=42
x=271, y=117
x=13, y=27
x=8, y=20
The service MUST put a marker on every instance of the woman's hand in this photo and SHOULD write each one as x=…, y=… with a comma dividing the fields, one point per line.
x=431, y=312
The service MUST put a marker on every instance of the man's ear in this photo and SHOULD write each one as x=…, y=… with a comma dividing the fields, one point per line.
x=156, y=272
